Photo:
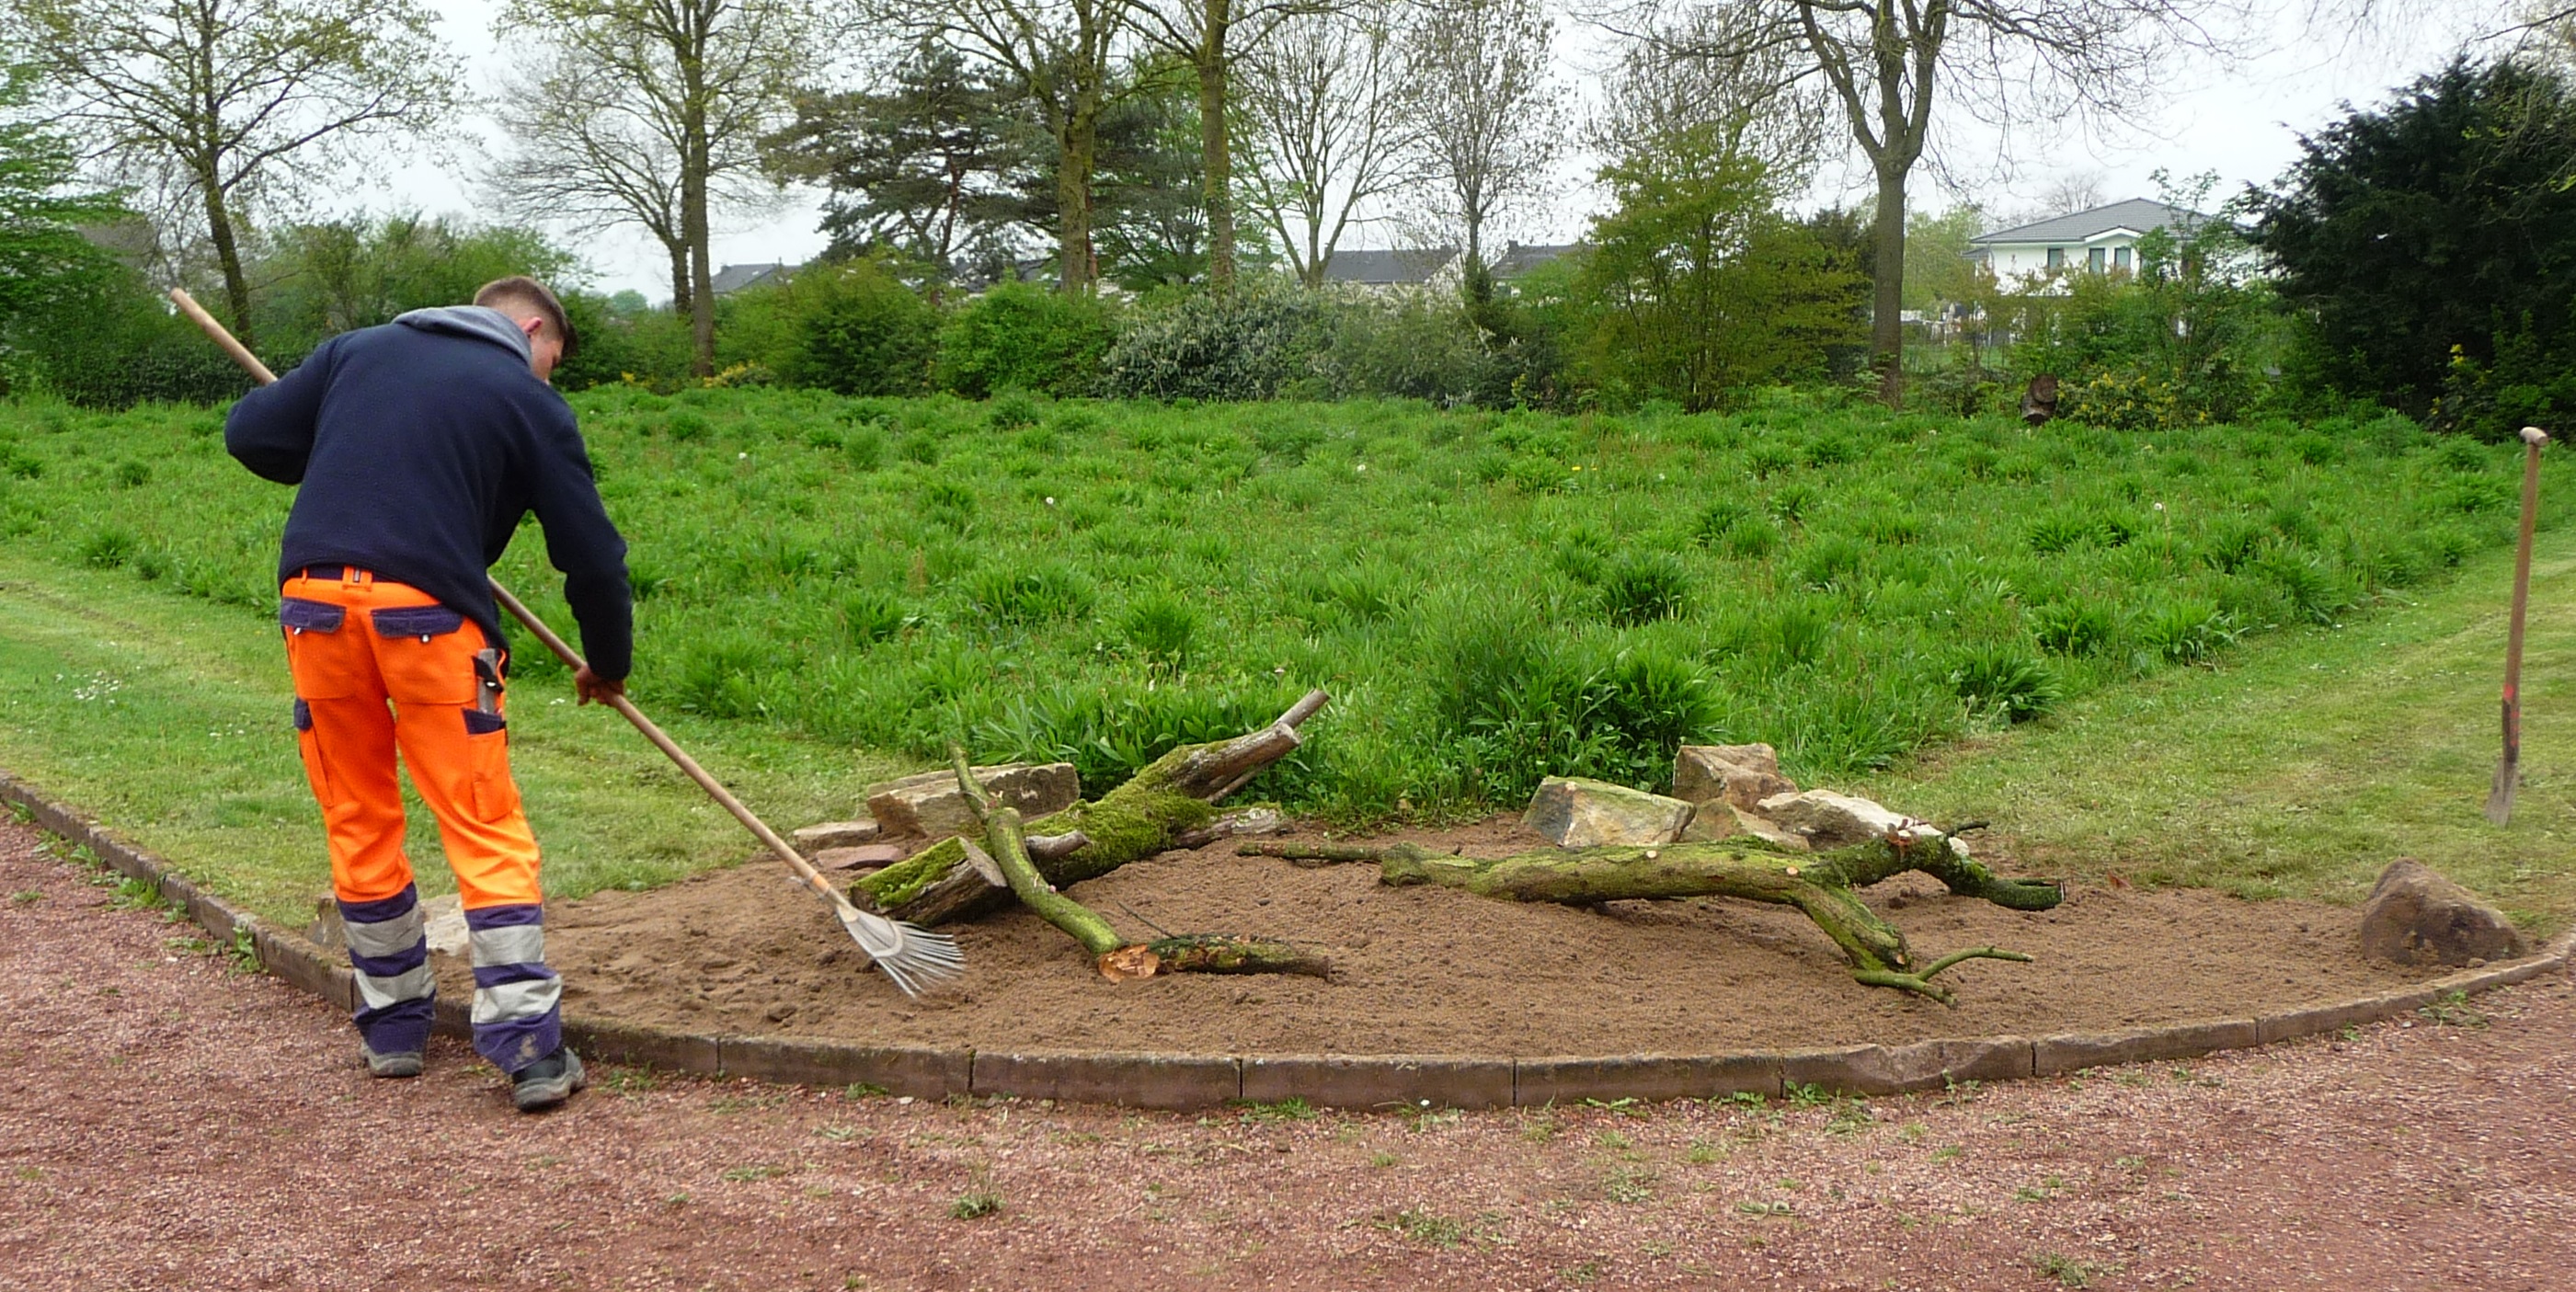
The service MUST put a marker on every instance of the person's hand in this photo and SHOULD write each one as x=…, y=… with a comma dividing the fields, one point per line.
x=591, y=686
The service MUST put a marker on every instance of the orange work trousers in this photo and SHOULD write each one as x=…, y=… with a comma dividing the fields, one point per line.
x=354, y=642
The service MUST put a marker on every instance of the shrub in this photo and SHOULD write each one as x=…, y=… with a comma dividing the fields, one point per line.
x=1240, y=346
x=1412, y=347
x=1020, y=335
x=854, y=329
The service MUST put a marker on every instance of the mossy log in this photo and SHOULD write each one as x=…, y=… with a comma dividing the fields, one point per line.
x=1822, y=885
x=1116, y=958
x=1168, y=804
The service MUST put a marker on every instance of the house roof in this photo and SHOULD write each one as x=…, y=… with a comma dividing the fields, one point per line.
x=1404, y=266
x=733, y=278
x=2137, y=215
x=1521, y=257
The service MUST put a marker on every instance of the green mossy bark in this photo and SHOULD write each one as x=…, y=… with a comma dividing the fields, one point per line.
x=1130, y=823
x=1821, y=885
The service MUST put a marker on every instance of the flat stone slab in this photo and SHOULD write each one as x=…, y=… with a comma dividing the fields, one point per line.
x=836, y=834
x=1572, y=812
x=929, y=804
x=1742, y=775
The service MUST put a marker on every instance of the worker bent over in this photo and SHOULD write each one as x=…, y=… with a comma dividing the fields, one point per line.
x=419, y=446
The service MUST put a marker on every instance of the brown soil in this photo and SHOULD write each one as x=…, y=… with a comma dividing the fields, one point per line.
x=1435, y=971
x=165, y=1123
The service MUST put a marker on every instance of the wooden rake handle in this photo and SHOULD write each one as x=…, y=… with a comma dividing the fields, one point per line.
x=563, y=650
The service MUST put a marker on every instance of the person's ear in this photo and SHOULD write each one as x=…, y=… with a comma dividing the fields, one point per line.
x=532, y=326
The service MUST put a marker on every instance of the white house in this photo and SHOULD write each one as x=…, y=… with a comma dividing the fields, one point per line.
x=2102, y=240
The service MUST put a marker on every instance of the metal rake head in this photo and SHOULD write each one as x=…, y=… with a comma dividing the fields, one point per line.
x=913, y=956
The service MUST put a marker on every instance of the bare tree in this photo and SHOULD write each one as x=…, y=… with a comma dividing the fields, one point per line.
x=1064, y=55
x=1662, y=85
x=1890, y=63
x=1213, y=36
x=2068, y=194
x=1334, y=123
x=1492, y=116
x=219, y=105
x=585, y=153
x=677, y=96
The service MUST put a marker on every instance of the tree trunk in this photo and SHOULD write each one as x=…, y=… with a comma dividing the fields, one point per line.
x=1157, y=809
x=1076, y=268
x=1887, y=285
x=681, y=291
x=219, y=230
x=702, y=290
x=1216, y=147
x=1819, y=884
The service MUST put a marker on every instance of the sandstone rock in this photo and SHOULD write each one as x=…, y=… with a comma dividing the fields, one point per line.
x=2416, y=916
x=442, y=921
x=1829, y=820
x=1720, y=820
x=836, y=834
x=865, y=856
x=929, y=804
x=1571, y=812
x=1743, y=775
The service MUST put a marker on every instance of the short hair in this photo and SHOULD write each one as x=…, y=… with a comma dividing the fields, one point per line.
x=530, y=295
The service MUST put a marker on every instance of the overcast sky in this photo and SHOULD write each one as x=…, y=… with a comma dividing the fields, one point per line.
x=2242, y=122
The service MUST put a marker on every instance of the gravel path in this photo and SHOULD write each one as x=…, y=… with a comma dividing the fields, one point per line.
x=167, y=1124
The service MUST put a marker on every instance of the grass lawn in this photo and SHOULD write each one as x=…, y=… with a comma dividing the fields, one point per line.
x=167, y=717
x=1490, y=597
x=2261, y=659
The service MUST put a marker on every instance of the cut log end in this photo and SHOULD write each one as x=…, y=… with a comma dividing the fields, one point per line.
x=1127, y=964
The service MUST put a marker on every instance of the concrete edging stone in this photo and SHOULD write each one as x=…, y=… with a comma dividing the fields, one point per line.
x=1198, y=1081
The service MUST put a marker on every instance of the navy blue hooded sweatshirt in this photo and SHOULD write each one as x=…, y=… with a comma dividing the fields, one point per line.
x=420, y=445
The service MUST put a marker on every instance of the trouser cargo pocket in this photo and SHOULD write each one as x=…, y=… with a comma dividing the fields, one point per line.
x=487, y=741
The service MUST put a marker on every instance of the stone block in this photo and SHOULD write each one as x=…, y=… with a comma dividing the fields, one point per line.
x=836, y=834
x=1644, y=1076
x=1743, y=775
x=1572, y=812
x=930, y=805
x=924, y=1073
x=613, y=1042
x=1379, y=1081
x=2076, y=1051
x=1829, y=820
x=1133, y=1080
x=1711, y=822
x=1921, y=1065
x=2416, y=916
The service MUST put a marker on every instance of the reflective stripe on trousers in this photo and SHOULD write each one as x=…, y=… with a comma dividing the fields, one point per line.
x=390, y=953
x=518, y=1014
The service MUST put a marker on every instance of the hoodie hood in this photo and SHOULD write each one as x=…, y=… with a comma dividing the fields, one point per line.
x=477, y=321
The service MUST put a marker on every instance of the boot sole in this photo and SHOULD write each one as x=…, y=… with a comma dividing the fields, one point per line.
x=392, y=1066
x=536, y=1096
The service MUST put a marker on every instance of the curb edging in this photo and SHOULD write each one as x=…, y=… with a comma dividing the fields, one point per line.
x=1328, y=1080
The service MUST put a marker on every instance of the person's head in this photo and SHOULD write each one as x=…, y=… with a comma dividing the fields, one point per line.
x=526, y=302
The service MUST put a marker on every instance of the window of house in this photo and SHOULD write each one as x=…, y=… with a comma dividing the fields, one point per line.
x=2096, y=259
x=2057, y=257
x=2120, y=258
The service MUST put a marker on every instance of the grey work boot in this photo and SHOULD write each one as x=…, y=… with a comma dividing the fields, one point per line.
x=548, y=1081
x=400, y=1063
